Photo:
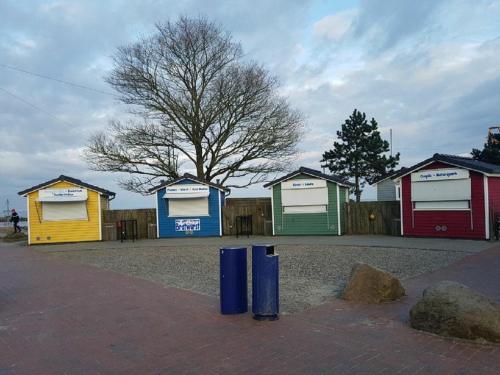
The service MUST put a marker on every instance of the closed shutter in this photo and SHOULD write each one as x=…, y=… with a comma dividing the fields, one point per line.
x=188, y=207
x=303, y=199
x=446, y=190
x=57, y=211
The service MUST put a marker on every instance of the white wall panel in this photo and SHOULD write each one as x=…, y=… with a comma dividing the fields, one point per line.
x=442, y=205
x=304, y=209
x=439, y=174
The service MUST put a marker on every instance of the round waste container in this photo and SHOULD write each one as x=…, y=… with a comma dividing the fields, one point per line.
x=265, y=283
x=233, y=280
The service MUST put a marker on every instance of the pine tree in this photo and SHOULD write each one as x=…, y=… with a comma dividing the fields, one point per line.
x=490, y=153
x=360, y=153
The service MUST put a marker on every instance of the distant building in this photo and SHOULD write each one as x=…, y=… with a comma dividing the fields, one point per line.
x=65, y=210
x=189, y=207
x=387, y=188
x=308, y=202
x=449, y=196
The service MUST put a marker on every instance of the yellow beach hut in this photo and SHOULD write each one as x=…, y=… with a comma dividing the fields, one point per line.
x=65, y=210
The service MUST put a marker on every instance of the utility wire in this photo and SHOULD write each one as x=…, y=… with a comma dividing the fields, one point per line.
x=57, y=80
x=33, y=105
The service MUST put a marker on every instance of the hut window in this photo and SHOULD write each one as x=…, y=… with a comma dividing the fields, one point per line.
x=441, y=189
x=304, y=196
x=188, y=207
x=304, y=209
x=57, y=211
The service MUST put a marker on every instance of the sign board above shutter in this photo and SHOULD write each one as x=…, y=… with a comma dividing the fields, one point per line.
x=439, y=175
x=304, y=193
x=62, y=195
x=303, y=184
x=186, y=191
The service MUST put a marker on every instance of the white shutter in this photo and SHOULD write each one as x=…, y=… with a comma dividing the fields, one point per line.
x=444, y=190
x=57, y=211
x=305, y=197
x=188, y=207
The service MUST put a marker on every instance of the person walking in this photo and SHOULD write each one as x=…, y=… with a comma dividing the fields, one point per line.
x=14, y=219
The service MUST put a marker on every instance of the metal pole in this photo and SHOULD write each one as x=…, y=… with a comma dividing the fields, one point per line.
x=390, y=132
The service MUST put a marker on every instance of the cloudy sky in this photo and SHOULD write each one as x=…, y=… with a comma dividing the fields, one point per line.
x=429, y=70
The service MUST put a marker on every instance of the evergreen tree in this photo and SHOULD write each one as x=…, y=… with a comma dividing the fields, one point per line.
x=360, y=153
x=490, y=153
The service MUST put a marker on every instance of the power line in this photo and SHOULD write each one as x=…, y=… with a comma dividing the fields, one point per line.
x=57, y=80
x=33, y=105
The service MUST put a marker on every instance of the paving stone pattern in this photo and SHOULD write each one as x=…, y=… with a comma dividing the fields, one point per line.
x=61, y=317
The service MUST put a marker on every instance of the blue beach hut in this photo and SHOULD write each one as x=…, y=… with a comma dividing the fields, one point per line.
x=189, y=207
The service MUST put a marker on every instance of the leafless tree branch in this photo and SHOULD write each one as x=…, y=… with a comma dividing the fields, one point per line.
x=198, y=99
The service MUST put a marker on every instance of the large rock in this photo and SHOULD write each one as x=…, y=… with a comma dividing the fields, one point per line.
x=452, y=309
x=371, y=285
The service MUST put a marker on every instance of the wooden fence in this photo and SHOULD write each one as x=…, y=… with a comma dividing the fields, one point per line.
x=372, y=218
x=258, y=208
x=360, y=218
x=146, y=222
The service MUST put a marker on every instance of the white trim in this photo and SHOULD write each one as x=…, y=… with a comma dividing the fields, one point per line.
x=272, y=207
x=442, y=209
x=157, y=216
x=338, y=209
x=309, y=174
x=486, y=208
x=401, y=201
x=28, y=219
x=220, y=215
x=190, y=179
x=100, y=216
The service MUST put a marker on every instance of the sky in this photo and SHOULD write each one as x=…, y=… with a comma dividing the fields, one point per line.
x=429, y=70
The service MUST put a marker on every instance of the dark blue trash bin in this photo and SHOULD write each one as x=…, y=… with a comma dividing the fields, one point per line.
x=233, y=280
x=265, y=282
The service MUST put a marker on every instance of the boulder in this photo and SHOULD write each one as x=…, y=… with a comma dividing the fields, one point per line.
x=451, y=309
x=371, y=285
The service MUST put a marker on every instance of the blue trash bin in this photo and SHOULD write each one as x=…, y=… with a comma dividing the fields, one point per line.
x=233, y=280
x=265, y=283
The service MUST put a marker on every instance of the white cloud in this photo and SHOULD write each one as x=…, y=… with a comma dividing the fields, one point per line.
x=433, y=77
x=335, y=26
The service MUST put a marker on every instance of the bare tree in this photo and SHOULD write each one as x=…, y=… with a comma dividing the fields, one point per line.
x=197, y=99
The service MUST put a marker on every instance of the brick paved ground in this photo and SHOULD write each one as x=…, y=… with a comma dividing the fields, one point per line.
x=59, y=317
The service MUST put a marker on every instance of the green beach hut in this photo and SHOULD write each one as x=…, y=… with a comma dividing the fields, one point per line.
x=308, y=202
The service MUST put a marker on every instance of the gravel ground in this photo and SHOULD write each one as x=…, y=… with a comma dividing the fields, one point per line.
x=309, y=275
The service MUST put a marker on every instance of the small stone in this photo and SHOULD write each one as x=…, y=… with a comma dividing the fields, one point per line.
x=451, y=309
x=371, y=285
